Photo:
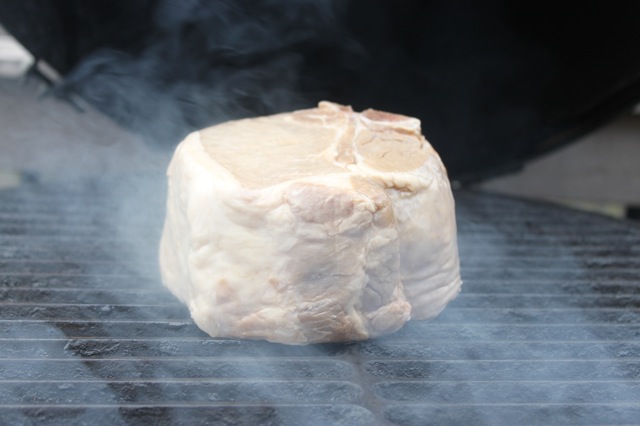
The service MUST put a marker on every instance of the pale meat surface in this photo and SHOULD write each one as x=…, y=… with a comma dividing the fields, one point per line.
x=318, y=225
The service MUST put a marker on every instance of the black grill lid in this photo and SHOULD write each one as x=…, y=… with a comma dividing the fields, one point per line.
x=545, y=331
x=494, y=86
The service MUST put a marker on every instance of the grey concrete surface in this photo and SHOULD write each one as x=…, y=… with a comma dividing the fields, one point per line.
x=602, y=169
x=49, y=138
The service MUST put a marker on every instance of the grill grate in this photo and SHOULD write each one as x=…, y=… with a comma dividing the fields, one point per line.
x=546, y=330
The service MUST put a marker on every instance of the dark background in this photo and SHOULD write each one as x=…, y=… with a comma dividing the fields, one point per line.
x=494, y=82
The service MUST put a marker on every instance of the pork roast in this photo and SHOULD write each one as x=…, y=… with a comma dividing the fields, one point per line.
x=318, y=225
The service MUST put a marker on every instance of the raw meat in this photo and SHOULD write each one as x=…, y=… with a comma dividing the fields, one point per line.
x=318, y=225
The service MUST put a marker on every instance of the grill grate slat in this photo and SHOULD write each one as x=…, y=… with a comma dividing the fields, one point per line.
x=546, y=331
x=444, y=350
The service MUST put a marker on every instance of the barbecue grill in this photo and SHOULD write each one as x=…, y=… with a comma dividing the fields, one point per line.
x=545, y=331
